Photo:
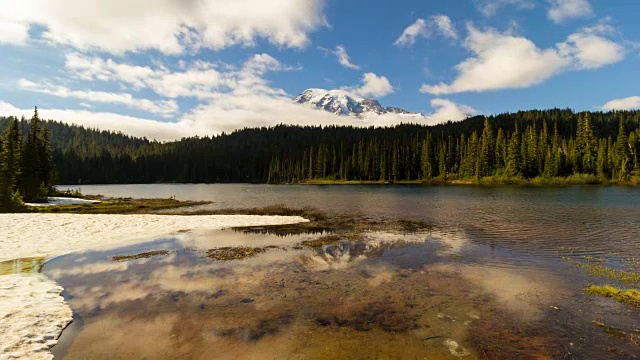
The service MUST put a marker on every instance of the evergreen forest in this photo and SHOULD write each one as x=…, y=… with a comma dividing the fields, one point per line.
x=586, y=147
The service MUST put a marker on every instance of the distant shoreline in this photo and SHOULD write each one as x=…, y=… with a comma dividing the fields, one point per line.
x=574, y=180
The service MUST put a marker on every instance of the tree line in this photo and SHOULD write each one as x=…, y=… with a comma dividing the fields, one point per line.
x=556, y=143
x=27, y=172
x=511, y=146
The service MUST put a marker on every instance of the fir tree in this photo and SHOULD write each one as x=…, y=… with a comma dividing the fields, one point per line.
x=10, y=168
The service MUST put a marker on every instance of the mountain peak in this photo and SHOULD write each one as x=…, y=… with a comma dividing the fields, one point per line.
x=341, y=102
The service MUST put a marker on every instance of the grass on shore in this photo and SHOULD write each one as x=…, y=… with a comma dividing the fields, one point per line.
x=627, y=296
x=117, y=206
x=575, y=179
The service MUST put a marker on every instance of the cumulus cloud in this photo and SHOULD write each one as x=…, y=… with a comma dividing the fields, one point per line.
x=135, y=126
x=229, y=114
x=162, y=107
x=239, y=97
x=440, y=24
x=372, y=86
x=491, y=7
x=506, y=61
x=561, y=10
x=169, y=26
x=201, y=80
x=447, y=110
x=628, y=103
x=590, y=49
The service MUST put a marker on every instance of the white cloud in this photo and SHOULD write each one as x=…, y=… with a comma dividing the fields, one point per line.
x=506, y=61
x=13, y=33
x=344, y=59
x=245, y=100
x=200, y=80
x=444, y=26
x=590, y=49
x=139, y=127
x=501, y=61
x=372, y=86
x=447, y=110
x=567, y=9
x=229, y=114
x=491, y=7
x=409, y=35
x=629, y=103
x=169, y=26
x=440, y=24
x=162, y=107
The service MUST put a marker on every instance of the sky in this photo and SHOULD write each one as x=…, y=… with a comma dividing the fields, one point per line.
x=172, y=68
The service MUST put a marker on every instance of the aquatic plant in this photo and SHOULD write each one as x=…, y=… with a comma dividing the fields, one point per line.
x=618, y=333
x=144, y=255
x=234, y=253
x=627, y=296
x=606, y=272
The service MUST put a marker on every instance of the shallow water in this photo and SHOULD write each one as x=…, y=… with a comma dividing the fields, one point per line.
x=31, y=265
x=427, y=295
x=492, y=278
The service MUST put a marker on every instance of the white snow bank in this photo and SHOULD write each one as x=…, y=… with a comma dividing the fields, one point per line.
x=55, y=201
x=32, y=312
x=30, y=235
x=32, y=316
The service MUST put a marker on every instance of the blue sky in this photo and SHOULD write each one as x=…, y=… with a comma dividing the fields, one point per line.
x=198, y=68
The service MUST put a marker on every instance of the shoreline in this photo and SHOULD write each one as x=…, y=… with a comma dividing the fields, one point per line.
x=486, y=182
x=574, y=180
x=34, y=311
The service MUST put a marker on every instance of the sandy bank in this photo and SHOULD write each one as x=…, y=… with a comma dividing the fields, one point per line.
x=32, y=312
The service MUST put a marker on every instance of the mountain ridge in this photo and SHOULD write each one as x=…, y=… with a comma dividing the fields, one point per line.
x=344, y=103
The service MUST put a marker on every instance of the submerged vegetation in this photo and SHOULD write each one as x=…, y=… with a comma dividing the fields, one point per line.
x=618, y=333
x=144, y=255
x=235, y=253
x=627, y=296
x=598, y=270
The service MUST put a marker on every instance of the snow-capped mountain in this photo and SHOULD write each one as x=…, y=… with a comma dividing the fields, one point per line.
x=341, y=102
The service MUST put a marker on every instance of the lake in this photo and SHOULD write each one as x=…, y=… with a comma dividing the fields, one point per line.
x=500, y=275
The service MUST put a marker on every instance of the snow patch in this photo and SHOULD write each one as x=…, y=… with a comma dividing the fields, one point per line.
x=55, y=201
x=47, y=235
x=32, y=316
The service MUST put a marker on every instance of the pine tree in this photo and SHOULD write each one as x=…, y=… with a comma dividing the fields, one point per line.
x=46, y=161
x=31, y=168
x=425, y=159
x=10, y=167
x=513, y=156
x=487, y=152
x=622, y=150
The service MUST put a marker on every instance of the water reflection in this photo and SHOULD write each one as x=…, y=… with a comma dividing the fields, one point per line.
x=384, y=296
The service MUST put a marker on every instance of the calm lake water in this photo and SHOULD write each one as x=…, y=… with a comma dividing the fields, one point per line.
x=547, y=220
x=491, y=280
